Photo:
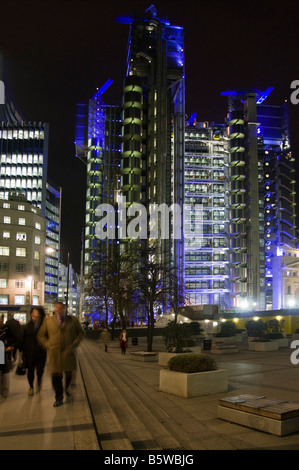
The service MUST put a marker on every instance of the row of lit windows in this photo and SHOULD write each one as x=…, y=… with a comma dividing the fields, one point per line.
x=21, y=134
x=22, y=159
x=23, y=184
x=19, y=284
x=18, y=299
x=21, y=220
x=21, y=237
x=22, y=252
x=21, y=171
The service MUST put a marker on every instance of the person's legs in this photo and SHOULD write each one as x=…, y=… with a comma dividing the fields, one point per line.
x=68, y=378
x=39, y=374
x=30, y=378
x=58, y=388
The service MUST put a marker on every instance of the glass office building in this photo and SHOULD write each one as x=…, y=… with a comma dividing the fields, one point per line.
x=23, y=169
x=206, y=202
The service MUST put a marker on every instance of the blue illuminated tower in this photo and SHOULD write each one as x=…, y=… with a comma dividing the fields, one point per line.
x=98, y=145
x=262, y=196
x=153, y=124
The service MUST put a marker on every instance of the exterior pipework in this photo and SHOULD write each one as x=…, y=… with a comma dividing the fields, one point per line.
x=237, y=219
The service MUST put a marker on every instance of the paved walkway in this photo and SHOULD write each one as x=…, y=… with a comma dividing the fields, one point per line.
x=32, y=423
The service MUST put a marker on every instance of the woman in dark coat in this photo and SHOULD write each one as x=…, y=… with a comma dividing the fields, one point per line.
x=34, y=355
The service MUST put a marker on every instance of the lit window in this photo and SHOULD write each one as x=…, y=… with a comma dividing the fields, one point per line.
x=6, y=234
x=35, y=300
x=6, y=205
x=37, y=240
x=3, y=299
x=36, y=255
x=38, y=226
x=3, y=283
x=4, y=250
x=21, y=207
x=6, y=220
x=21, y=252
x=22, y=221
x=21, y=236
x=19, y=299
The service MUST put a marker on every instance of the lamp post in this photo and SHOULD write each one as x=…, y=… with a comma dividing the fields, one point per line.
x=67, y=281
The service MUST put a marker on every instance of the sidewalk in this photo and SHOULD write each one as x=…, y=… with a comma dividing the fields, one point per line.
x=32, y=423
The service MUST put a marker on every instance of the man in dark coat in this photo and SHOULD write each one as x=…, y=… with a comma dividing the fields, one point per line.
x=14, y=335
x=34, y=356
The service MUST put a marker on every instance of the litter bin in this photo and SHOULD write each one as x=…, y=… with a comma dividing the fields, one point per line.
x=207, y=344
x=134, y=341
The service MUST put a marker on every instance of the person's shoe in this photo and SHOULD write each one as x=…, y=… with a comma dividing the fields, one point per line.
x=30, y=391
x=58, y=403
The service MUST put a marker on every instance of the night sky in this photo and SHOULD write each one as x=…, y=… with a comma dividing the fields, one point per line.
x=57, y=53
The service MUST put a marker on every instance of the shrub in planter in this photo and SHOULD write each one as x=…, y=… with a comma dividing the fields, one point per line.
x=256, y=328
x=273, y=335
x=177, y=336
x=227, y=328
x=192, y=363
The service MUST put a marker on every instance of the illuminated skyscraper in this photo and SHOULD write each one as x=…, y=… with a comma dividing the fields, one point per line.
x=23, y=169
x=153, y=125
x=261, y=196
x=206, y=201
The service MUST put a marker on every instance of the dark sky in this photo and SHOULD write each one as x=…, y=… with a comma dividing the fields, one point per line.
x=58, y=52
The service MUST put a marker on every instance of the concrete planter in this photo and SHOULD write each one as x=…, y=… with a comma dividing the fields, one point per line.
x=193, y=385
x=165, y=356
x=282, y=342
x=263, y=346
x=229, y=339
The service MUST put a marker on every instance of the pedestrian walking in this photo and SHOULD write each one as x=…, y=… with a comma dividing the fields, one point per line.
x=5, y=367
x=61, y=334
x=105, y=337
x=15, y=334
x=34, y=356
x=123, y=341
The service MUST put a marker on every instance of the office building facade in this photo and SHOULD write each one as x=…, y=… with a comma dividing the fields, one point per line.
x=23, y=169
x=22, y=256
x=261, y=189
x=206, y=202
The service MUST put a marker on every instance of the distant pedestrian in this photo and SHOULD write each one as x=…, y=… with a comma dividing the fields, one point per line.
x=123, y=341
x=34, y=356
x=14, y=336
x=7, y=366
x=105, y=337
x=60, y=335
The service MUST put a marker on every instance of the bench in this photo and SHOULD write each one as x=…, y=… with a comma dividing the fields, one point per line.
x=258, y=412
x=144, y=356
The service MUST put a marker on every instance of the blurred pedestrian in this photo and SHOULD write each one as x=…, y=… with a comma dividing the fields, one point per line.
x=60, y=335
x=34, y=356
x=14, y=336
x=105, y=337
x=123, y=341
x=5, y=367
